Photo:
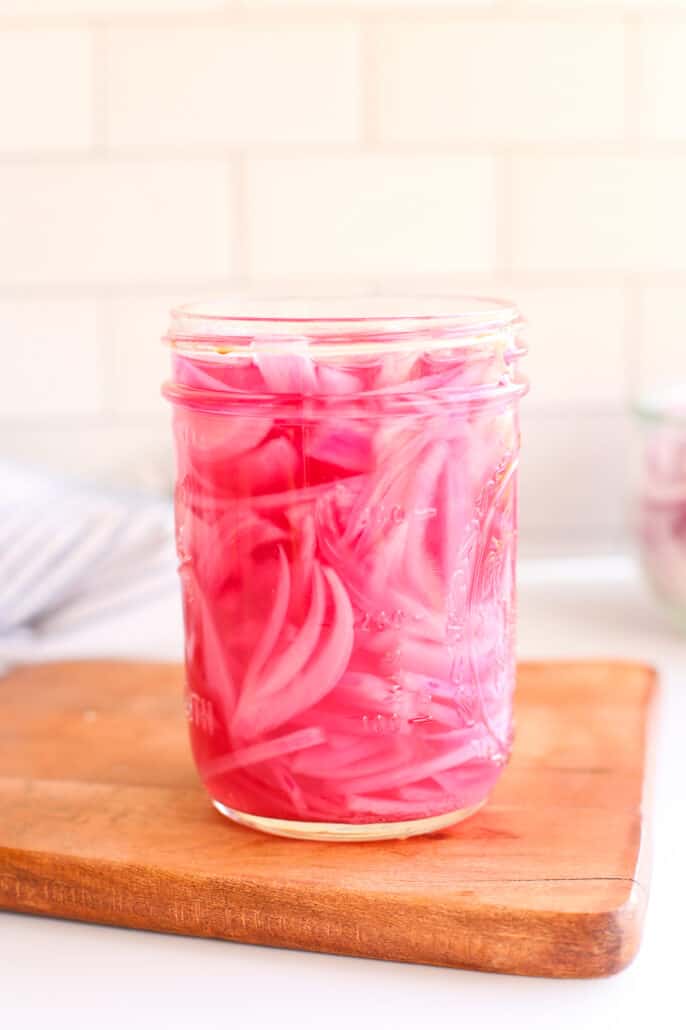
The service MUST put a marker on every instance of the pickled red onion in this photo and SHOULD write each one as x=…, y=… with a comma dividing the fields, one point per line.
x=347, y=571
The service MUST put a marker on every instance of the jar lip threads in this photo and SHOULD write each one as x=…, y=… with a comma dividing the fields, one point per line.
x=337, y=326
x=379, y=352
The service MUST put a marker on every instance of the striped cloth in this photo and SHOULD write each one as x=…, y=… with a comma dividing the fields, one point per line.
x=84, y=573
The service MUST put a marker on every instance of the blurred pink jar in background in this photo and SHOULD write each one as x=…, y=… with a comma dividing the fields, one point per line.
x=346, y=508
x=662, y=497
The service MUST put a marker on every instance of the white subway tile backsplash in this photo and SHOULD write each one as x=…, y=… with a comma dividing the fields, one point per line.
x=234, y=84
x=371, y=215
x=599, y=213
x=574, y=476
x=577, y=355
x=527, y=148
x=663, y=81
x=102, y=8
x=505, y=81
x=132, y=455
x=135, y=360
x=95, y=222
x=662, y=348
x=601, y=6
x=49, y=357
x=388, y=5
x=46, y=89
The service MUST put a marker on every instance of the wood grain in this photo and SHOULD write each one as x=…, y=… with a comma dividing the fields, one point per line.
x=102, y=819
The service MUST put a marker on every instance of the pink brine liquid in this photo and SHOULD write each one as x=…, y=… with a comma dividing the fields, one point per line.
x=346, y=529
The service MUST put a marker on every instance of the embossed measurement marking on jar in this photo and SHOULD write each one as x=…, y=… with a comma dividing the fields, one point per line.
x=382, y=515
x=402, y=708
x=200, y=712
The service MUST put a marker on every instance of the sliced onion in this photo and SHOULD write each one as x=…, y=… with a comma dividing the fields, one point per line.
x=349, y=578
x=274, y=625
x=266, y=751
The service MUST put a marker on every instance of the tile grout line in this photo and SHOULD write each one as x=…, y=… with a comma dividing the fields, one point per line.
x=633, y=85
x=299, y=13
x=633, y=336
x=633, y=80
x=198, y=152
x=504, y=220
x=239, y=174
x=368, y=87
x=105, y=356
x=98, y=420
x=235, y=12
x=100, y=88
x=536, y=278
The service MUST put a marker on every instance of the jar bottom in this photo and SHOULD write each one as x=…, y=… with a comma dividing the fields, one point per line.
x=347, y=831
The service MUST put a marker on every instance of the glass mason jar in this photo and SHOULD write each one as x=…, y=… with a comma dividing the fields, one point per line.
x=346, y=531
x=661, y=497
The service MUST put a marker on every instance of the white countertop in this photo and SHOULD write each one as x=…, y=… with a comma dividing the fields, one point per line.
x=72, y=975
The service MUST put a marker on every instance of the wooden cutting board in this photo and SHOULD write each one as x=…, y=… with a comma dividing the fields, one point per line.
x=102, y=819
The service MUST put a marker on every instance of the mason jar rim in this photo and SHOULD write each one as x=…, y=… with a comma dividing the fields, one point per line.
x=340, y=324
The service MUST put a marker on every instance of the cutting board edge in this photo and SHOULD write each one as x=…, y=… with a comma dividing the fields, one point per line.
x=560, y=944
